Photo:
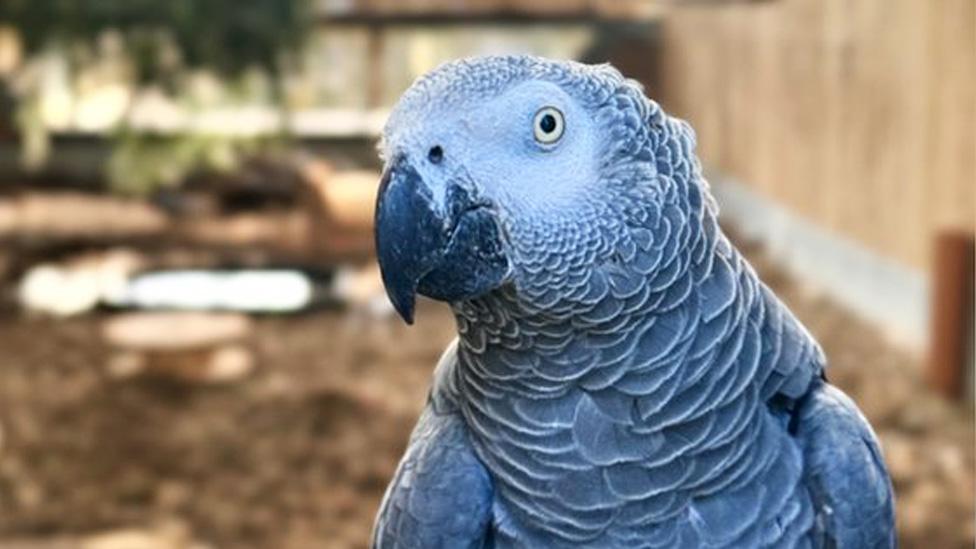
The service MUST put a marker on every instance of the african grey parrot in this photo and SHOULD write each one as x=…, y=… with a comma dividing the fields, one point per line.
x=621, y=377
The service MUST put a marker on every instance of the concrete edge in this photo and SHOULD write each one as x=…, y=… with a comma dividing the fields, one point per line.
x=888, y=294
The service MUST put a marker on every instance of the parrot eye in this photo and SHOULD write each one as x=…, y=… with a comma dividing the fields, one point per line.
x=548, y=125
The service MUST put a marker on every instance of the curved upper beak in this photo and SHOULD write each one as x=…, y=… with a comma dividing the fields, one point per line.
x=444, y=247
x=410, y=234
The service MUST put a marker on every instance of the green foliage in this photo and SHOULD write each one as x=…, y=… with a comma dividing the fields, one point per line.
x=141, y=163
x=166, y=44
x=227, y=36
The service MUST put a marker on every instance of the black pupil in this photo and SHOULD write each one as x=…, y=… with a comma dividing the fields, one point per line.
x=548, y=123
x=435, y=154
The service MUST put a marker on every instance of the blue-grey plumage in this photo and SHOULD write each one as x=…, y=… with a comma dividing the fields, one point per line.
x=621, y=377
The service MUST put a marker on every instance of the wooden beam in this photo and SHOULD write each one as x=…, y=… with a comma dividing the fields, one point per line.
x=491, y=12
x=454, y=12
x=951, y=347
x=500, y=17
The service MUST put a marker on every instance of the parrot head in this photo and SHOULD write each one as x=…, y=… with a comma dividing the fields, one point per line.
x=514, y=171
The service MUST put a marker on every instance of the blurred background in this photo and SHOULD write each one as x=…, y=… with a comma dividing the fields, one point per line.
x=195, y=348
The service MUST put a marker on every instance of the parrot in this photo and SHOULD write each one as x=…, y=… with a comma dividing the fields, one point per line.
x=620, y=377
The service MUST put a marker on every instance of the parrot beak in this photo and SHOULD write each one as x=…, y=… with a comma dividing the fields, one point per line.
x=447, y=249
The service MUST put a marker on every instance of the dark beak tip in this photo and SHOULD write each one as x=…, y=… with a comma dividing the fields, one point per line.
x=406, y=312
x=401, y=293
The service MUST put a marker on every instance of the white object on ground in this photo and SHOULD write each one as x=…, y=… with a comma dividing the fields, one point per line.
x=251, y=291
x=76, y=287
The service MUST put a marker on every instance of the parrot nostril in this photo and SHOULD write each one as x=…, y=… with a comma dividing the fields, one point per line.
x=435, y=154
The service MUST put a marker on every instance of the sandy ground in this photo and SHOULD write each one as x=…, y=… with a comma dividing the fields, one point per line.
x=297, y=454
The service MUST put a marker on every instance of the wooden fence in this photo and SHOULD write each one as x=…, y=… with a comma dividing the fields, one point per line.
x=860, y=116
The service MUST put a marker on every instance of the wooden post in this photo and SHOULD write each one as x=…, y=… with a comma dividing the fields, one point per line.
x=951, y=339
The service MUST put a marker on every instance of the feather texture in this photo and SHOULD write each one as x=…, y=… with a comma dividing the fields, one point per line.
x=636, y=384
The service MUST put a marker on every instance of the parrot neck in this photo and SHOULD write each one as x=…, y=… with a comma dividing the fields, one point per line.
x=672, y=374
x=657, y=273
x=666, y=330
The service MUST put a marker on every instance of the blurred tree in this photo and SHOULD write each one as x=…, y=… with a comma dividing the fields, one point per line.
x=225, y=50
x=227, y=36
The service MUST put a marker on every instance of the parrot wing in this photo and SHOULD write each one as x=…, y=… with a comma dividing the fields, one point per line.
x=441, y=494
x=844, y=472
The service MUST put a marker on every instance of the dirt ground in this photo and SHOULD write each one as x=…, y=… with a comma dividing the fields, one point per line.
x=297, y=454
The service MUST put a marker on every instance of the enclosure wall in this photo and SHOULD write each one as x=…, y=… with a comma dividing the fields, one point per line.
x=857, y=116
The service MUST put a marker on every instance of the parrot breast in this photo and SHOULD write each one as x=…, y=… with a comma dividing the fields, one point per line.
x=630, y=381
